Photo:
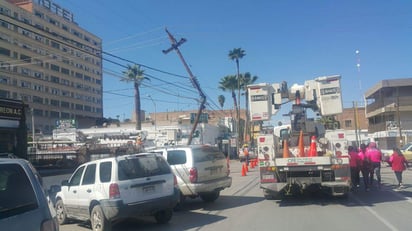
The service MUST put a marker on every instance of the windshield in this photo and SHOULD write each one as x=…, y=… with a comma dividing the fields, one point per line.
x=406, y=146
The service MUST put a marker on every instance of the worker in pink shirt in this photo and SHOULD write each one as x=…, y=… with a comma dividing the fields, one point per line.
x=399, y=164
x=375, y=156
x=354, y=166
x=365, y=166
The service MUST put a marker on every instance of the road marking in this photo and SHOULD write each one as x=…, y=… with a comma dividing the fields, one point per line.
x=374, y=213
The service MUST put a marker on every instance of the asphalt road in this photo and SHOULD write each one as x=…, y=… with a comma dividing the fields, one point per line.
x=243, y=208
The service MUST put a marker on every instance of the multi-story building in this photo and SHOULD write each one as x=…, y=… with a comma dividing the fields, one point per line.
x=389, y=110
x=352, y=119
x=50, y=63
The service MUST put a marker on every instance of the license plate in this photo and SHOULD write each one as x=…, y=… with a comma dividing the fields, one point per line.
x=268, y=177
x=148, y=189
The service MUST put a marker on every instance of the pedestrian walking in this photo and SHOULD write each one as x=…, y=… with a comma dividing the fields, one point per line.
x=399, y=164
x=354, y=164
x=365, y=165
x=375, y=156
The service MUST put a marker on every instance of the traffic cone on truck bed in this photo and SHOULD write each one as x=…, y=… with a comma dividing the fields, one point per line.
x=313, y=149
x=285, y=149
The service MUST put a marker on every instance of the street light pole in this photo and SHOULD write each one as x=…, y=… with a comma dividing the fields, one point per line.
x=150, y=97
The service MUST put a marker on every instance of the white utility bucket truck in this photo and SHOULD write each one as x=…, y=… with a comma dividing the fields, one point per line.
x=291, y=160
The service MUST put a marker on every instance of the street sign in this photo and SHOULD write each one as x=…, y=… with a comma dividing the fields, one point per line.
x=204, y=118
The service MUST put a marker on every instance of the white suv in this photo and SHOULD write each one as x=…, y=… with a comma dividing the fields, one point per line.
x=201, y=170
x=108, y=190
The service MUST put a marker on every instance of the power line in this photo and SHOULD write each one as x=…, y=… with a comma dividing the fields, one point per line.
x=98, y=51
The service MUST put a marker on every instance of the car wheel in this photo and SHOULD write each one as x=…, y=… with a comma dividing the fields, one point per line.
x=164, y=216
x=98, y=220
x=210, y=196
x=182, y=198
x=61, y=212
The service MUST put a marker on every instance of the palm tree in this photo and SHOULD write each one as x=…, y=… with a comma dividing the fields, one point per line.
x=245, y=80
x=229, y=83
x=136, y=75
x=236, y=54
x=221, y=99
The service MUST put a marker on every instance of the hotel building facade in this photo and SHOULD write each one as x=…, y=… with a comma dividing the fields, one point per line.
x=51, y=64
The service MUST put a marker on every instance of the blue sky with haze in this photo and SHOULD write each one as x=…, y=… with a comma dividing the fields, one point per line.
x=283, y=40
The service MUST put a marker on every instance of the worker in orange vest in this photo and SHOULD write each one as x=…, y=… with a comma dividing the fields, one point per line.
x=246, y=154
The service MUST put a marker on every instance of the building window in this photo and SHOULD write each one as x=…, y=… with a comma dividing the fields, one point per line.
x=37, y=99
x=79, y=107
x=38, y=14
x=65, y=71
x=87, y=108
x=4, y=51
x=66, y=93
x=38, y=112
x=55, y=91
x=4, y=80
x=4, y=94
x=54, y=67
x=55, y=45
x=54, y=114
x=65, y=104
x=348, y=123
x=25, y=58
x=54, y=102
x=65, y=115
x=25, y=84
x=5, y=24
x=54, y=79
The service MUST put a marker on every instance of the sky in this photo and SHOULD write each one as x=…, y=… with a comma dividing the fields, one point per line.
x=284, y=40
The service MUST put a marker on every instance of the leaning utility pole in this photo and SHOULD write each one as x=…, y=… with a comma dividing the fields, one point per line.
x=175, y=46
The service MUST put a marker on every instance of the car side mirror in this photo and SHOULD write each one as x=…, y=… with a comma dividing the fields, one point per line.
x=65, y=183
x=54, y=189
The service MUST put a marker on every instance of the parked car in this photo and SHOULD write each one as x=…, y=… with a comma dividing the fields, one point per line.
x=109, y=190
x=201, y=170
x=406, y=151
x=24, y=204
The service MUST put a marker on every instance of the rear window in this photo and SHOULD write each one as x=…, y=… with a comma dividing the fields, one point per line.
x=16, y=192
x=176, y=157
x=207, y=153
x=142, y=166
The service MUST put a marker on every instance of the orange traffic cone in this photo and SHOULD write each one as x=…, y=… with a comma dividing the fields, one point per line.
x=313, y=150
x=301, y=145
x=285, y=149
x=244, y=169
